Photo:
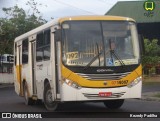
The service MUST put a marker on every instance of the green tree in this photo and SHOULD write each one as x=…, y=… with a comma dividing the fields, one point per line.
x=152, y=56
x=17, y=22
x=7, y=33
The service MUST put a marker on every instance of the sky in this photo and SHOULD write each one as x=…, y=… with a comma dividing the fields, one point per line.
x=60, y=8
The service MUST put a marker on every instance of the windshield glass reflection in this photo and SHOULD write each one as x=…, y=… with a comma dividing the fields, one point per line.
x=99, y=43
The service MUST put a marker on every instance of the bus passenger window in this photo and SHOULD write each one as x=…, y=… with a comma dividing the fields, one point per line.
x=39, y=54
x=46, y=47
x=25, y=51
x=47, y=37
x=39, y=40
x=39, y=45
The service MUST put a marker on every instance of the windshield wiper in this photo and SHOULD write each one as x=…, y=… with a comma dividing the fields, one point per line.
x=94, y=58
x=112, y=52
x=117, y=57
x=98, y=52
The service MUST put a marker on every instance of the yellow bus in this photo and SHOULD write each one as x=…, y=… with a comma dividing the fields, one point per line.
x=79, y=58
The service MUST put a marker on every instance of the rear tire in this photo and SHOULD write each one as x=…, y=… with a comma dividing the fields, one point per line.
x=113, y=104
x=27, y=100
x=48, y=102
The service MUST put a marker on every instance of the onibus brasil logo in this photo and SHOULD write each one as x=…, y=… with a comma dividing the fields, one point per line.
x=149, y=5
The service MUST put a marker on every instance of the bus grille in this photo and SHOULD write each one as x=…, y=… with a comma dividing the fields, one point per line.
x=104, y=77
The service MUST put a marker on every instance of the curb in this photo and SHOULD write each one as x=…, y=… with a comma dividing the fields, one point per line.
x=6, y=85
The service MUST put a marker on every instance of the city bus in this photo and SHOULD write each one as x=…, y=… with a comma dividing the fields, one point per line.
x=81, y=59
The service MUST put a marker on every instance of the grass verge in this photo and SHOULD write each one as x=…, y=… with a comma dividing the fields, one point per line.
x=157, y=95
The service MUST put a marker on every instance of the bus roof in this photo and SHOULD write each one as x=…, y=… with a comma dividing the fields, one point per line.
x=70, y=18
x=98, y=17
x=36, y=30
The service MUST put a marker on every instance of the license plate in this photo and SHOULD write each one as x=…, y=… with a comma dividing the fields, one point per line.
x=105, y=94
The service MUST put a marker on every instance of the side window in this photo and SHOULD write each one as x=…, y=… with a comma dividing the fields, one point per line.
x=40, y=39
x=43, y=46
x=47, y=37
x=1, y=68
x=46, y=48
x=25, y=51
x=39, y=45
x=15, y=54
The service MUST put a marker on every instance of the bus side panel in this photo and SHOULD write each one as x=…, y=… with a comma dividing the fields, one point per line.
x=18, y=69
x=42, y=73
x=26, y=76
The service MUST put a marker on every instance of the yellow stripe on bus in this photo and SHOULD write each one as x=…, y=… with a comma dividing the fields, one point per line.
x=68, y=74
x=18, y=72
x=113, y=18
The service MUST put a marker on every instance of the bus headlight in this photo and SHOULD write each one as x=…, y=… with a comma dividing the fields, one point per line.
x=72, y=84
x=135, y=82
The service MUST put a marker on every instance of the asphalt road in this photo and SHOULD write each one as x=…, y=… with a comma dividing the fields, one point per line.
x=151, y=87
x=10, y=102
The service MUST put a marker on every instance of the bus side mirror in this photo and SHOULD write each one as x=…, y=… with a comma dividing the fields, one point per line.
x=141, y=43
x=57, y=35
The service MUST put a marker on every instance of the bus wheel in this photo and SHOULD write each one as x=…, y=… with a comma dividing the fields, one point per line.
x=28, y=101
x=114, y=104
x=48, y=102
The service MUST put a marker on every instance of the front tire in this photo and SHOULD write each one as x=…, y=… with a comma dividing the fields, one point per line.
x=48, y=102
x=27, y=100
x=113, y=104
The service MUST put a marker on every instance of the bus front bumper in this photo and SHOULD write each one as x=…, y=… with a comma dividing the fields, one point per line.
x=69, y=93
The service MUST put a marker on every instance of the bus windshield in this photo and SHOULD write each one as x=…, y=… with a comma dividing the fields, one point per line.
x=99, y=43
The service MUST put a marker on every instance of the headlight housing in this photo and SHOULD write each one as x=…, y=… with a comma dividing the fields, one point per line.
x=72, y=84
x=135, y=82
